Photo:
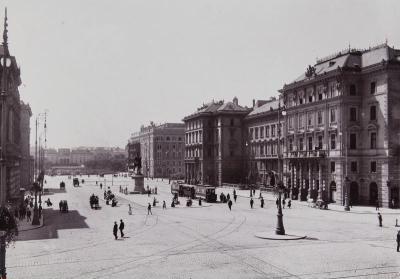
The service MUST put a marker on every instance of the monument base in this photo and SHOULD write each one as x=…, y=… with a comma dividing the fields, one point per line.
x=139, y=183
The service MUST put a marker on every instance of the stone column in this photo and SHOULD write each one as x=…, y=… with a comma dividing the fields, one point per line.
x=310, y=184
x=294, y=176
x=319, y=182
x=301, y=180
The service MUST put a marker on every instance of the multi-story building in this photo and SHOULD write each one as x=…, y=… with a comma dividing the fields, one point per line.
x=161, y=149
x=26, y=160
x=262, y=142
x=342, y=127
x=80, y=156
x=214, y=144
x=64, y=156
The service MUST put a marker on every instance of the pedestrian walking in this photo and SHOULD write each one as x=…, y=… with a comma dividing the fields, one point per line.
x=377, y=204
x=115, y=230
x=234, y=192
x=251, y=193
x=121, y=228
x=251, y=202
x=260, y=196
x=230, y=205
x=277, y=203
x=380, y=219
x=130, y=209
x=289, y=203
x=228, y=197
x=254, y=192
x=398, y=241
x=28, y=215
x=154, y=201
x=164, y=205
x=283, y=202
x=149, y=209
x=234, y=196
x=262, y=202
x=200, y=201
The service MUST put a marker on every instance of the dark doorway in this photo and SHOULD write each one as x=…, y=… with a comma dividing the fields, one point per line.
x=354, y=193
x=394, y=197
x=373, y=193
x=332, y=191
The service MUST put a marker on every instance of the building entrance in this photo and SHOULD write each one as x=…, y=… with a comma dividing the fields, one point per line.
x=373, y=193
x=354, y=193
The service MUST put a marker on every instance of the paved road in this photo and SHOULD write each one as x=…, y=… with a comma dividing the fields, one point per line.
x=208, y=242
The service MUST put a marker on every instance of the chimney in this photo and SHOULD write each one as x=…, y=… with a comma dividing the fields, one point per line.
x=254, y=103
x=236, y=101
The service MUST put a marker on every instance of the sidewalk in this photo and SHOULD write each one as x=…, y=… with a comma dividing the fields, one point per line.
x=23, y=225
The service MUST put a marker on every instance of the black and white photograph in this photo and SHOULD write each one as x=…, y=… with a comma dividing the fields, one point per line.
x=200, y=139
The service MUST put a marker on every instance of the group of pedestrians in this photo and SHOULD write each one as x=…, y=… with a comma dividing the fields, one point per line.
x=121, y=228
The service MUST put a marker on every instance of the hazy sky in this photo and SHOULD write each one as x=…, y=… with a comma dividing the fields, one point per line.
x=103, y=68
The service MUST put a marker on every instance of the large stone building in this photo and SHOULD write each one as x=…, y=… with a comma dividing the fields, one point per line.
x=161, y=149
x=262, y=142
x=342, y=128
x=214, y=144
x=26, y=159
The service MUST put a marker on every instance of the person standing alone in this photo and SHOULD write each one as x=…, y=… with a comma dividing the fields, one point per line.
x=121, y=228
x=251, y=202
x=230, y=204
x=149, y=209
x=380, y=219
x=115, y=230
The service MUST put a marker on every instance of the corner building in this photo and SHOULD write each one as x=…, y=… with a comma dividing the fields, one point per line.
x=341, y=128
x=214, y=144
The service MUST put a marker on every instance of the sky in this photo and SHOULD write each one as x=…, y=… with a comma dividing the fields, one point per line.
x=101, y=69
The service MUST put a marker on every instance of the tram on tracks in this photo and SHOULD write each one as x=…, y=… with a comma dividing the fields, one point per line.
x=206, y=192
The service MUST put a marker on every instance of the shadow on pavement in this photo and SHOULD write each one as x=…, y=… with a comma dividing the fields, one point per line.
x=55, y=221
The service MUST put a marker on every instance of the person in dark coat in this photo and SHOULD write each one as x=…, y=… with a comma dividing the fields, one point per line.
x=115, y=230
x=228, y=197
x=283, y=203
x=149, y=209
x=251, y=202
x=377, y=204
x=277, y=203
x=234, y=196
x=380, y=219
x=121, y=228
x=289, y=203
x=398, y=241
x=230, y=205
x=262, y=202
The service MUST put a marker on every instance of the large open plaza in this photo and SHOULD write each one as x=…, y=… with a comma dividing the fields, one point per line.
x=199, y=242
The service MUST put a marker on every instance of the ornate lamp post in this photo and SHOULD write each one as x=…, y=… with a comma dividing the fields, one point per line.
x=280, y=188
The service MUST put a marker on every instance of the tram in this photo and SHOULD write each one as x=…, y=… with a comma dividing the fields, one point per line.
x=206, y=192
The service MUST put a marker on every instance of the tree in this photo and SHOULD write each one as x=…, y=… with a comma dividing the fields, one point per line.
x=8, y=224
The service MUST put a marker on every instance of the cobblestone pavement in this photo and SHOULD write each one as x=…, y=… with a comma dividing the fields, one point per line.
x=199, y=242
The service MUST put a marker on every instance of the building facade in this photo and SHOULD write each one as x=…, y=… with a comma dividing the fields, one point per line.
x=161, y=148
x=214, y=144
x=261, y=125
x=26, y=160
x=342, y=127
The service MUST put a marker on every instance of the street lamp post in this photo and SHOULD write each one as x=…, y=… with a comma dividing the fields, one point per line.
x=280, y=229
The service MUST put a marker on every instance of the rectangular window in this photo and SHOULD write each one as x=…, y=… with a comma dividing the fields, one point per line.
x=290, y=122
x=319, y=142
x=251, y=133
x=262, y=150
x=373, y=87
x=261, y=132
x=310, y=147
x=373, y=166
x=372, y=113
x=353, y=114
x=309, y=119
x=333, y=167
x=373, y=140
x=267, y=131
x=353, y=90
x=256, y=133
x=333, y=115
x=272, y=130
x=333, y=141
x=290, y=144
x=301, y=144
x=319, y=116
x=353, y=166
x=353, y=141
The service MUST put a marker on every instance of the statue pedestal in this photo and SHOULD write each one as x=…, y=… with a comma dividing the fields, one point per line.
x=139, y=184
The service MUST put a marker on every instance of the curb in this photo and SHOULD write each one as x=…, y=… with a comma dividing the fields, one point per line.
x=271, y=236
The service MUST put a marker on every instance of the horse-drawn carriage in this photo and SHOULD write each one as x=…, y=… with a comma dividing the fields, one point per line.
x=62, y=185
x=94, y=202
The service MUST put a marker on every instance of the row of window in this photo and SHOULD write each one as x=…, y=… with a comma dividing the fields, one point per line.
x=168, y=138
x=354, y=113
x=354, y=167
x=323, y=92
x=164, y=163
x=319, y=143
x=168, y=155
x=263, y=131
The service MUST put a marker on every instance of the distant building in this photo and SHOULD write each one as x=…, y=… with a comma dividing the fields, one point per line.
x=161, y=149
x=214, y=144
